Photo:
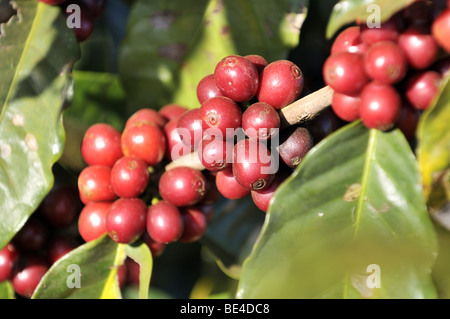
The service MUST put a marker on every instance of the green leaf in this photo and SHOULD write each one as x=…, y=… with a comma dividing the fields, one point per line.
x=37, y=51
x=433, y=136
x=87, y=272
x=350, y=11
x=6, y=290
x=353, y=210
x=98, y=97
x=142, y=255
x=171, y=45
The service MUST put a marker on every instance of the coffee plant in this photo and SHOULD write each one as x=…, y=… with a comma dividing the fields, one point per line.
x=224, y=149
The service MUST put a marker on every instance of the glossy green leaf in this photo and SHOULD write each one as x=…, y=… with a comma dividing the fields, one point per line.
x=98, y=98
x=351, y=222
x=433, y=136
x=6, y=290
x=170, y=45
x=36, y=56
x=142, y=255
x=349, y=11
x=87, y=272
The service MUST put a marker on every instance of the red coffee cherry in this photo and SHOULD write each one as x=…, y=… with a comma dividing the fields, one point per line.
x=344, y=72
x=144, y=140
x=441, y=29
x=294, y=145
x=258, y=61
x=408, y=120
x=221, y=115
x=263, y=198
x=172, y=111
x=190, y=128
x=349, y=40
x=91, y=222
x=207, y=88
x=237, y=78
x=125, y=220
x=281, y=83
x=32, y=236
x=253, y=165
x=385, y=62
x=214, y=153
x=260, y=121
x=27, y=273
x=228, y=186
x=164, y=222
x=175, y=147
x=61, y=205
x=129, y=176
x=94, y=184
x=60, y=246
x=195, y=224
x=419, y=47
x=146, y=115
x=8, y=257
x=346, y=107
x=422, y=88
x=388, y=31
x=380, y=105
x=101, y=145
x=182, y=186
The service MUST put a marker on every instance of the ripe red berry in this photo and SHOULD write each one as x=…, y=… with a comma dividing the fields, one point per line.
x=441, y=29
x=175, y=147
x=380, y=105
x=27, y=273
x=346, y=107
x=214, y=153
x=172, y=111
x=349, y=40
x=385, y=62
x=228, y=186
x=156, y=248
x=258, y=61
x=220, y=116
x=263, y=198
x=207, y=88
x=344, y=72
x=94, y=184
x=281, y=83
x=294, y=145
x=91, y=222
x=190, y=129
x=61, y=205
x=8, y=256
x=422, y=88
x=387, y=31
x=164, y=222
x=125, y=220
x=144, y=140
x=419, y=47
x=101, y=145
x=146, y=115
x=182, y=186
x=260, y=121
x=253, y=165
x=237, y=78
x=195, y=224
x=129, y=176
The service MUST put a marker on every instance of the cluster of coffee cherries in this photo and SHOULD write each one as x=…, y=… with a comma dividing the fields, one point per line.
x=45, y=237
x=387, y=75
x=89, y=11
x=128, y=189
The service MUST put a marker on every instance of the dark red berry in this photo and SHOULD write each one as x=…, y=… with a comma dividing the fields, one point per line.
x=441, y=30
x=60, y=246
x=8, y=256
x=237, y=78
x=207, y=88
x=182, y=186
x=53, y=2
x=228, y=186
x=172, y=111
x=125, y=220
x=32, y=236
x=258, y=61
x=101, y=145
x=195, y=224
x=253, y=165
x=387, y=31
x=129, y=176
x=260, y=121
x=344, y=72
x=220, y=116
x=91, y=222
x=263, y=198
x=214, y=153
x=323, y=125
x=146, y=115
x=294, y=145
x=95, y=7
x=349, y=40
x=408, y=120
x=175, y=147
x=86, y=26
x=94, y=184
x=190, y=129
x=346, y=107
x=419, y=47
x=385, y=62
x=212, y=194
x=156, y=248
x=144, y=140
x=281, y=83
x=164, y=222
x=380, y=105
x=27, y=273
x=422, y=88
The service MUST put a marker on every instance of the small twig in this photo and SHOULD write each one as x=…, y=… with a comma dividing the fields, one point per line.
x=302, y=110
